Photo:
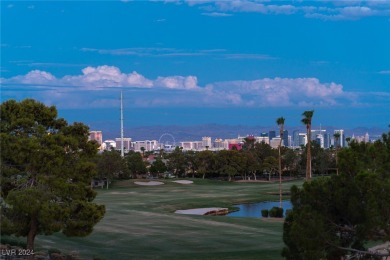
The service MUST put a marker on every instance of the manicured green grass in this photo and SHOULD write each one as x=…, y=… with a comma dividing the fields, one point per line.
x=140, y=223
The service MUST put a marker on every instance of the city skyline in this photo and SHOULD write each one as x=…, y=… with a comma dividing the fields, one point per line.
x=191, y=63
x=326, y=138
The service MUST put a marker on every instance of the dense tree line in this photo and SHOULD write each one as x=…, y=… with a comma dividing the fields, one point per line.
x=255, y=160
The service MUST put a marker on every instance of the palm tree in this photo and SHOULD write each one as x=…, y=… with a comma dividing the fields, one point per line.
x=307, y=117
x=280, y=122
x=337, y=145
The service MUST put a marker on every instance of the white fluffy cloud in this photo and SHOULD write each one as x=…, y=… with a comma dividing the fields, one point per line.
x=36, y=77
x=178, y=90
x=326, y=10
x=177, y=82
x=282, y=91
x=105, y=76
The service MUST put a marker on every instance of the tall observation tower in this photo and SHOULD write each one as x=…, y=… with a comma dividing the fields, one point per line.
x=122, y=150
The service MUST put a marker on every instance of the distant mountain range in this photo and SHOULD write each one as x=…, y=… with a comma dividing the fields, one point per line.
x=196, y=132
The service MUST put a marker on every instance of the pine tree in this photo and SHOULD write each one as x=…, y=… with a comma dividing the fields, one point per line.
x=46, y=167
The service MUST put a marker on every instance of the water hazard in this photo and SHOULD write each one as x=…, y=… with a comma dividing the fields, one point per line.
x=253, y=210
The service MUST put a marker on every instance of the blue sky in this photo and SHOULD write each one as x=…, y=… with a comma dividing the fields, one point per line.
x=196, y=62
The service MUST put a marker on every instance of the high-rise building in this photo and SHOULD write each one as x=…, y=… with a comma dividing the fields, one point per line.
x=302, y=139
x=264, y=135
x=262, y=139
x=295, y=138
x=218, y=144
x=274, y=143
x=192, y=145
x=126, y=144
x=326, y=140
x=109, y=144
x=341, y=140
x=271, y=135
x=206, y=141
x=97, y=136
x=285, y=138
x=148, y=145
x=321, y=137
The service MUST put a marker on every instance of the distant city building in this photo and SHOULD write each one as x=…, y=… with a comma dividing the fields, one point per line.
x=321, y=137
x=232, y=141
x=295, y=138
x=341, y=141
x=365, y=138
x=219, y=144
x=299, y=139
x=262, y=139
x=192, y=145
x=290, y=141
x=327, y=140
x=274, y=142
x=285, y=138
x=97, y=136
x=302, y=139
x=237, y=146
x=206, y=141
x=271, y=135
x=109, y=144
x=148, y=145
x=126, y=144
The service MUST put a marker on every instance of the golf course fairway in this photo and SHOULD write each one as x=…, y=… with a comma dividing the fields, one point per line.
x=140, y=223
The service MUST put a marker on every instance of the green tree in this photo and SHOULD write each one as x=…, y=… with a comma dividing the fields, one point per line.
x=205, y=162
x=252, y=166
x=230, y=163
x=291, y=159
x=158, y=166
x=263, y=150
x=135, y=163
x=249, y=143
x=191, y=162
x=46, y=170
x=322, y=159
x=177, y=161
x=338, y=216
x=270, y=165
x=110, y=165
x=307, y=118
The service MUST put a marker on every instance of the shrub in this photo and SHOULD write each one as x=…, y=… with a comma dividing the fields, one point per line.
x=13, y=241
x=276, y=212
x=264, y=213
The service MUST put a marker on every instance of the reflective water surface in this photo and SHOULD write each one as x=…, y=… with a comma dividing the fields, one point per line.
x=253, y=210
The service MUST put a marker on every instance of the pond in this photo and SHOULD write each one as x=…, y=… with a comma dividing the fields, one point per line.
x=253, y=210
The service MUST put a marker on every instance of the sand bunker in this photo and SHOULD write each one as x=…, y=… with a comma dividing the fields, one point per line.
x=203, y=211
x=148, y=183
x=183, y=182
